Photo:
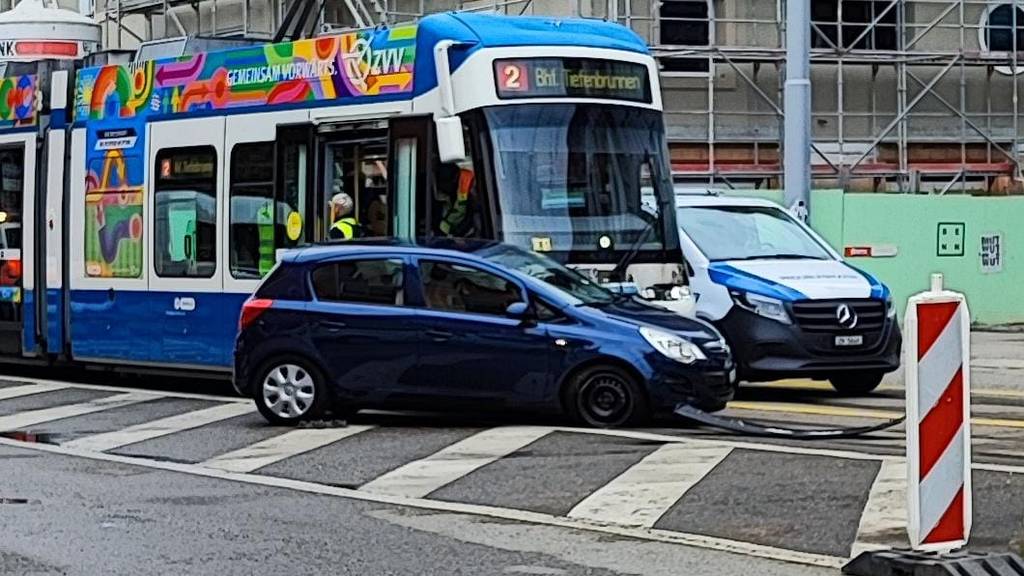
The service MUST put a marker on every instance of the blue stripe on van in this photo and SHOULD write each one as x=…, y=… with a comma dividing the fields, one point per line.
x=737, y=279
x=879, y=291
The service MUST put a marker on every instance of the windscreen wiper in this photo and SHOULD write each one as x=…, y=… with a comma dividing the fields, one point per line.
x=634, y=249
x=772, y=257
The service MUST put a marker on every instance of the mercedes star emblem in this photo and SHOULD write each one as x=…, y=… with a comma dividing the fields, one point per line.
x=846, y=317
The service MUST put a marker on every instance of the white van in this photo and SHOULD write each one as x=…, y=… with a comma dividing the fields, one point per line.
x=783, y=298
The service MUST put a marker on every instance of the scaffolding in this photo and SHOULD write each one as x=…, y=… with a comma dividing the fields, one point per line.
x=921, y=97
x=907, y=95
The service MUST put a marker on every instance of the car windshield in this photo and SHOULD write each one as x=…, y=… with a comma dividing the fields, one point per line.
x=570, y=178
x=748, y=233
x=550, y=272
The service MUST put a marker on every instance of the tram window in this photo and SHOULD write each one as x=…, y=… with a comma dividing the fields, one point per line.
x=185, y=194
x=12, y=172
x=456, y=210
x=251, y=232
x=358, y=171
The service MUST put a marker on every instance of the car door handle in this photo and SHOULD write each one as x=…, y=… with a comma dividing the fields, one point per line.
x=439, y=335
x=333, y=325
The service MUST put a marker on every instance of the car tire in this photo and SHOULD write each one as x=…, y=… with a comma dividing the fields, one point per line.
x=605, y=397
x=856, y=383
x=289, y=390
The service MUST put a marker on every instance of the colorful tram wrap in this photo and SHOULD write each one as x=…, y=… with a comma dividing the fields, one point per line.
x=143, y=203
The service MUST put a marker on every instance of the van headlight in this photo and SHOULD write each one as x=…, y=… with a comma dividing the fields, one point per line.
x=673, y=346
x=772, y=308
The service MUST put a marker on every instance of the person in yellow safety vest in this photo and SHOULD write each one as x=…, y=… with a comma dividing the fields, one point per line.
x=460, y=180
x=344, y=226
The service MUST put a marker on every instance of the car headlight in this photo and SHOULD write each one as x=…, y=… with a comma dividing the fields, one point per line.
x=673, y=346
x=890, y=308
x=762, y=306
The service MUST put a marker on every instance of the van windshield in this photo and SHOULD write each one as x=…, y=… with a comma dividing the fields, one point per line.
x=748, y=233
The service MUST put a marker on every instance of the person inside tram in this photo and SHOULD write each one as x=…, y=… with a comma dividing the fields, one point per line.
x=344, y=223
x=455, y=191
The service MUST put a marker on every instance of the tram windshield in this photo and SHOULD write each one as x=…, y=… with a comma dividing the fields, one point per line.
x=572, y=178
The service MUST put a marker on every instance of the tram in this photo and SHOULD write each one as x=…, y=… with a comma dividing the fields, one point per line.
x=142, y=202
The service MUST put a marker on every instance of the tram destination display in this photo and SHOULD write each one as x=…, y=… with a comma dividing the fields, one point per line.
x=572, y=77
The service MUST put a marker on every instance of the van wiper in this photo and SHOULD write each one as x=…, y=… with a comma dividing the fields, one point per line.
x=773, y=257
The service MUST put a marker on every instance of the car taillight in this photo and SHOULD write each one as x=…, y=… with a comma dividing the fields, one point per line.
x=251, y=310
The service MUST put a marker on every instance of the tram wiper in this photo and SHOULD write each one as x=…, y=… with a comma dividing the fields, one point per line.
x=634, y=249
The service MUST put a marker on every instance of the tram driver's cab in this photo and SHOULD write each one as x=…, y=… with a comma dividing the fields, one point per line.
x=566, y=156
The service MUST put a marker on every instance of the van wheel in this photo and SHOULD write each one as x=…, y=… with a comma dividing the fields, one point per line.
x=856, y=383
x=290, y=390
x=605, y=397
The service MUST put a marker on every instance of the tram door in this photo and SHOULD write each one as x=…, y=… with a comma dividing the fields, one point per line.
x=185, y=279
x=355, y=183
x=12, y=188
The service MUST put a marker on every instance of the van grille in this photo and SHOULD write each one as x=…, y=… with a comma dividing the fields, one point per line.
x=820, y=315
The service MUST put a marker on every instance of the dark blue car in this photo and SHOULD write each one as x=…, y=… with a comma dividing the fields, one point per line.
x=463, y=325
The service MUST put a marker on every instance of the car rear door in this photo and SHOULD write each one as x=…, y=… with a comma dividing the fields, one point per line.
x=469, y=349
x=360, y=326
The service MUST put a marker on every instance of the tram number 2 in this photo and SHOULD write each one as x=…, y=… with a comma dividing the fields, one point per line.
x=513, y=77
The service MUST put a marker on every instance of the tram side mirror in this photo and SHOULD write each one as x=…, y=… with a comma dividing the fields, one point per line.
x=451, y=145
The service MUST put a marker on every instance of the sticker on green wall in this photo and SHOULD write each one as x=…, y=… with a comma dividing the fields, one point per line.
x=991, y=253
x=949, y=240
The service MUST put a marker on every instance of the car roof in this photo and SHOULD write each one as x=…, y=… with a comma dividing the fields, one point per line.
x=435, y=246
x=688, y=200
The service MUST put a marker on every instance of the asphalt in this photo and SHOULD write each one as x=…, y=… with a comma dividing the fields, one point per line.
x=205, y=442
x=799, y=497
x=363, y=457
x=806, y=503
x=80, y=517
x=551, y=475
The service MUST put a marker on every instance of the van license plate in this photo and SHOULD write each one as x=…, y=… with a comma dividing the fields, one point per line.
x=849, y=340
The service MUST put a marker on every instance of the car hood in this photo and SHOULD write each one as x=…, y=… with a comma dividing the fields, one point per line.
x=791, y=280
x=638, y=312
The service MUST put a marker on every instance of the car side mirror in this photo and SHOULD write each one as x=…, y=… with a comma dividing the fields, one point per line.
x=518, y=311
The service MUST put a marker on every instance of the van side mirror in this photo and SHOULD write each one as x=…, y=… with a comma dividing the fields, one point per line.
x=451, y=144
x=518, y=311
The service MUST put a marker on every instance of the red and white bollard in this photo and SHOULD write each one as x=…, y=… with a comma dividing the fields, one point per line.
x=938, y=419
x=938, y=376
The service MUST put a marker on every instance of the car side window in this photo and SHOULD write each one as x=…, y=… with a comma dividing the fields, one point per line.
x=360, y=281
x=456, y=288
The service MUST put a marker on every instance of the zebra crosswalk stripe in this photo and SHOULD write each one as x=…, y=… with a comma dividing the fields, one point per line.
x=419, y=478
x=27, y=390
x=161, y=427
x=277, y=448
x=644, y=492
x=883, y=523
x=33, y=417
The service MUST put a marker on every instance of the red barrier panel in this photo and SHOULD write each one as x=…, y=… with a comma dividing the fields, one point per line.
x=938, y=419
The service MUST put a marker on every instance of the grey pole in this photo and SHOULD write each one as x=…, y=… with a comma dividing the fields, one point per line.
x=797, y=142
